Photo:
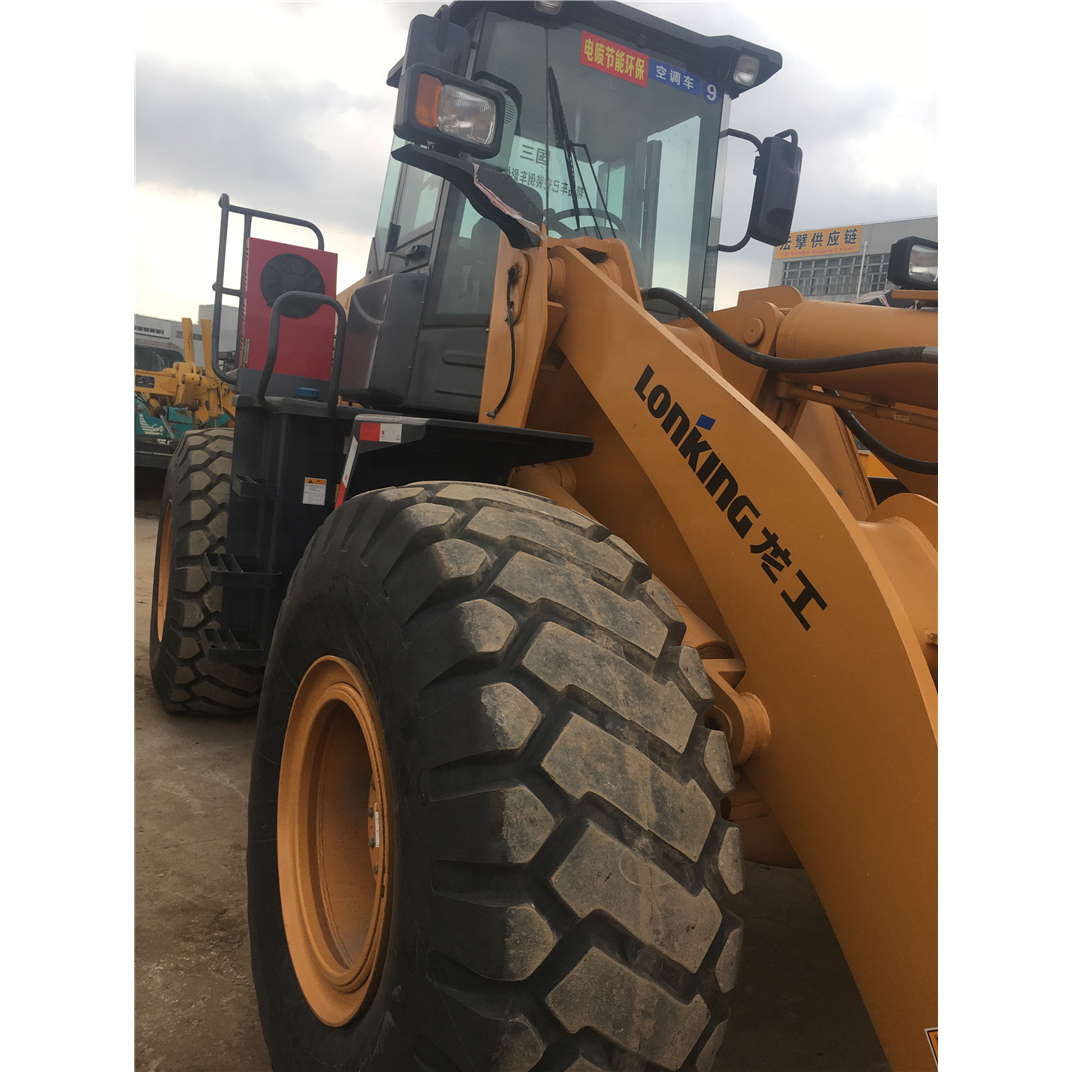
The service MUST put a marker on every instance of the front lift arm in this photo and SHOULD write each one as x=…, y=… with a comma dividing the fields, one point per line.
x=850, y=771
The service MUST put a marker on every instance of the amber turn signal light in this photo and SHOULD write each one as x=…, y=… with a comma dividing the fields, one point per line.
x=426, y=109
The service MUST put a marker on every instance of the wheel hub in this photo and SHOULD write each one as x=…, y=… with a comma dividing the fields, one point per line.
x=334, y=827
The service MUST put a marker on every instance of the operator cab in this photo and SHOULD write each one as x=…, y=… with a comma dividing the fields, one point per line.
x=612, y=126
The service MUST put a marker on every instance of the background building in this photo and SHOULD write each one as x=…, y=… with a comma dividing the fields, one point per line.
x=844, y=263
x=166, y=335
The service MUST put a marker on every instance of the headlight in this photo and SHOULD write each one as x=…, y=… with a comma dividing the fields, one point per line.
x=458, y=115
x=462, y=113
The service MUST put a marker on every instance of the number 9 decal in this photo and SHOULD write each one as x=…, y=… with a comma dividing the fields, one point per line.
x=711, y=92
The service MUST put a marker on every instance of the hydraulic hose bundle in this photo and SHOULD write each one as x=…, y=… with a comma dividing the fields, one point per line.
x=898, y=355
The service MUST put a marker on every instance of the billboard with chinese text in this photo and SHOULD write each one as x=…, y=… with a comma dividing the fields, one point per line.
x=821, y=242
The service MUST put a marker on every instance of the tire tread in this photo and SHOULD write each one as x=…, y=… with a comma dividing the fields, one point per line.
x=198, y=485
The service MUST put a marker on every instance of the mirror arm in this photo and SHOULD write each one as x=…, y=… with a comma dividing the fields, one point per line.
x=443, y=15
x=729, y=132
x=733, y=249
x=494, y=194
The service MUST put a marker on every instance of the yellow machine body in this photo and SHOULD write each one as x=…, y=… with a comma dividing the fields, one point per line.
x=813, y=608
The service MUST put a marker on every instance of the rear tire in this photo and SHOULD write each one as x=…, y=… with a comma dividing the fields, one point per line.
x=193, y=525
x=555, y=845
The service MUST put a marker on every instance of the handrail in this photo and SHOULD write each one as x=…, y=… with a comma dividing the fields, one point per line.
x=273, y=347
x=219, y=289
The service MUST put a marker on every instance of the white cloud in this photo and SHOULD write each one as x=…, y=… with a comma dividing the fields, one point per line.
x=284, y=106
x=178, y=236
x=351, y=45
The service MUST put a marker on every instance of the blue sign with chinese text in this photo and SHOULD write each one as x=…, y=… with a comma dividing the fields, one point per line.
x=670, y=75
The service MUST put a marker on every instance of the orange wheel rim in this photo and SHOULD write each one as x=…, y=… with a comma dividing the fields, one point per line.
x=334, y=830
x=163, y=572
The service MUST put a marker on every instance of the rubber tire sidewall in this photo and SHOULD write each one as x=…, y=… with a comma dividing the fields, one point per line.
x=305, y=632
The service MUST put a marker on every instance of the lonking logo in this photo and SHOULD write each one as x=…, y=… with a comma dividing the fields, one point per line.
x=715, y=476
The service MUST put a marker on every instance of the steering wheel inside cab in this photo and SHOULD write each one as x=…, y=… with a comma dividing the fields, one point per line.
x=557, y=229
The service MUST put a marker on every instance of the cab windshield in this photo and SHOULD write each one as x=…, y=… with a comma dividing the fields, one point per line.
x=155, y=358
x=614, y=141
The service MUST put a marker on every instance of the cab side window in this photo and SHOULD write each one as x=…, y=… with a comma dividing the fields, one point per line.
x=377, y=261
x=407, y=215
x=464, y=274
x=410, y=234
x=416, y=212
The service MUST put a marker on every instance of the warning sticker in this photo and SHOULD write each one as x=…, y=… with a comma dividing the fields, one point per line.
x=375, y=432
x=932, y=1038
x=614, y=59
x=316, y=491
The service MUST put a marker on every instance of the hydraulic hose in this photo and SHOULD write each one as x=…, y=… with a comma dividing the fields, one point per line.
x=511, y=276
x=879, y=449
x=898, y=355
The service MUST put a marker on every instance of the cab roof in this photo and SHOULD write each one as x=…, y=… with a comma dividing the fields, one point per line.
x=712, y=57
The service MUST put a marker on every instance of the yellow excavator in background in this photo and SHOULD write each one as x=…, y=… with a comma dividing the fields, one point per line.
x=174, y=397
x=559, y=593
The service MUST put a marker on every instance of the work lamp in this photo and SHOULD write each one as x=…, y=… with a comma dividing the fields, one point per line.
x=914, y=264
x=746, y=70
x=453, y=113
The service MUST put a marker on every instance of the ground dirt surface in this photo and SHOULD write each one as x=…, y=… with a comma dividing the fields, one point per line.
x=195, y=1009
x=794, y=1009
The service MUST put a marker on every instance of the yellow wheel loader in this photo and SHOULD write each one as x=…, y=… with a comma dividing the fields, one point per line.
x=568, y=593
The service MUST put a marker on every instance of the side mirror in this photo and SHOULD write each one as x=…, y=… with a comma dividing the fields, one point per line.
x=914, y=264
x=777, y=174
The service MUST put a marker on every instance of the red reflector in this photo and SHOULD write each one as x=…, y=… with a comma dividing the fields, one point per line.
x=369, y=430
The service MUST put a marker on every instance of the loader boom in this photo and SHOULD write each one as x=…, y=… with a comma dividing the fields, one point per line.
x=850, y=771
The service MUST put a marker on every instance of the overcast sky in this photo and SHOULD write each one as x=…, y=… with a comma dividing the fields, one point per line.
x=285, y=108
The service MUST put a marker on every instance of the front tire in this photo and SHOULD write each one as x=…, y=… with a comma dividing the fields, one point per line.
x=554, y=848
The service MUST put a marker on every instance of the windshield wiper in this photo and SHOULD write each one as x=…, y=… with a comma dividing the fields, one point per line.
x=569, y=151
x=562, y=138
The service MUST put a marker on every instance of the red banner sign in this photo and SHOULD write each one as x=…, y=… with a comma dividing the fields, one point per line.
x=614, y=59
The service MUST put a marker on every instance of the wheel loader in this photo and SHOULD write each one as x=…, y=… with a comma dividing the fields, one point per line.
x=558, y=594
